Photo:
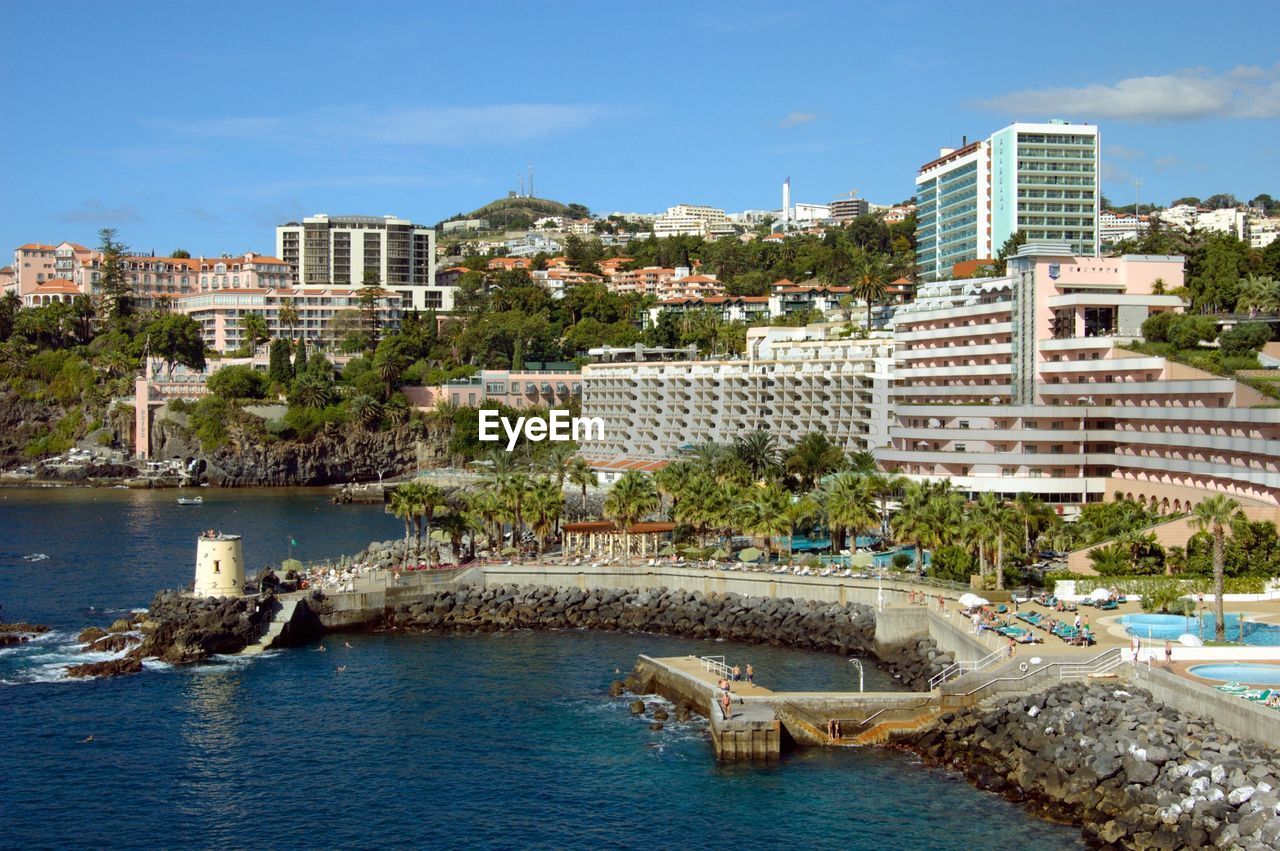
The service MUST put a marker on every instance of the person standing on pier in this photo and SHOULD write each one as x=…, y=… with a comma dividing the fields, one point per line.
x=726, y=703
x=751, y=674
x=737, y=674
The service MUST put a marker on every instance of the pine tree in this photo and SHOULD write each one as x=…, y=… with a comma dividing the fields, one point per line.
x=117, y=293
x=300, y=357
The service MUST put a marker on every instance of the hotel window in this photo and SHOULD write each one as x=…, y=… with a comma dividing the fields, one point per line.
x=964, y=424
x=959, y=447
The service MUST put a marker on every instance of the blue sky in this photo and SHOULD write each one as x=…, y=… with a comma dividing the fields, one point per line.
x=203, y=125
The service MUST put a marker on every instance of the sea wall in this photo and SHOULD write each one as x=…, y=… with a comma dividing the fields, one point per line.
x=1131, y=770
x=805, y=624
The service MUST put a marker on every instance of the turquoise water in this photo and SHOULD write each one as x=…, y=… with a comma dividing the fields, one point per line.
x=885, y=560
x=1169, y=627
x=485, y=741
x=1239, y=672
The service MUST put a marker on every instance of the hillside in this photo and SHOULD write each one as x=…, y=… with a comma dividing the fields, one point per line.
x=517, y=213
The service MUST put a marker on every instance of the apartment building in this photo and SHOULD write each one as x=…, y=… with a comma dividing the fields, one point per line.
x=155, y=281
x=1019, y=384
x=848, y=208
x=665, y=283
x=693, y=220
x=659, y=404
x=1041, y=179
x=219, y=311
x=324, y=250
x=34, y=263
x=1118, y=227
x=549, y=385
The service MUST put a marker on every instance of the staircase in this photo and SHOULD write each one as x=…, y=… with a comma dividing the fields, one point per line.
x=274, y=629
x=887, y=729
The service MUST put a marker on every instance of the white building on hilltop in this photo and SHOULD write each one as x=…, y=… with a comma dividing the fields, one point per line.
x=693, y=220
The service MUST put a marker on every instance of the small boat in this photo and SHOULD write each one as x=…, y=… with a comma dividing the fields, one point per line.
x=35, y=557
x=190, y=500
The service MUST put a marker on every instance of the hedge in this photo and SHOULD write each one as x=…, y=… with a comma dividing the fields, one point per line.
x=1143, y=585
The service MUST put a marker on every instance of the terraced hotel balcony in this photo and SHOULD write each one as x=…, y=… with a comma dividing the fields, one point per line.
x=982, y=329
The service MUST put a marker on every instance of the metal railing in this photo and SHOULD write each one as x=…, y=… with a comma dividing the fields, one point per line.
x=1102, y=663
x=715, y=665
x=959, y=669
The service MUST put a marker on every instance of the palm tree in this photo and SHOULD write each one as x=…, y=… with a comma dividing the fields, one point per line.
x=1257, y=294
x=1034, y=514
x=401, y=505
x=885, y=487
x=1214, y=515
x=812, y=458
x=983, y=527
x=254, y=326
x=390, y=362
x=512, y=488
x=546, y=502
x=851, y=506
x=800, y=511
x=943, y=519
x=288, y=315
x=910, y=523
x=426, y=499
x=758, y=451
x=556, y=460
x=456, y=524
x=870, y=279
x=632, y=497
x=583, y=476
x=1111, y=560
x=699, y=505
x=673, y=479
x=311, y=391
x=764, y=514
x=487, y=508
x=365, y=410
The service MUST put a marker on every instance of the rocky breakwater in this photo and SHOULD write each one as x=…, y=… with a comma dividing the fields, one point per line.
x=177, y=629
x=786, y=622
x=1133, y=772
x=916, y=662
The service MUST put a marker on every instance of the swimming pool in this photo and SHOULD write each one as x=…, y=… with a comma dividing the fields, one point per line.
x=1169, y=627
x=885, y=560
x=1238, y=672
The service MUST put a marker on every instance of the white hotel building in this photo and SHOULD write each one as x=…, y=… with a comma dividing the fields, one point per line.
x=1019, y=384
x=791, y=381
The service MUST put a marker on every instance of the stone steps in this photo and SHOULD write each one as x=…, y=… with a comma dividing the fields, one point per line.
x=885, y=730
x=274, y=629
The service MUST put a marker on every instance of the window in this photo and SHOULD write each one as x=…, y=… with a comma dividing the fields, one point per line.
x=959, y=447
x=964, y=424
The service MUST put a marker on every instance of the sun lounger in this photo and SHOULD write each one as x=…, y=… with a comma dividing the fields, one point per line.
x=1257, y=695
x=1233, y=688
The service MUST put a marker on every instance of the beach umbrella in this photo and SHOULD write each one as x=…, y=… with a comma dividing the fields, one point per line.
x=749, y=554
x=668, y=550
x=972, y=601
x=718, y=552
x=1100, y=594
x=1189, y=640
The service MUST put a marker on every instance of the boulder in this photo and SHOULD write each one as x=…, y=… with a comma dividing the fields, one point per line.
x=110, y=668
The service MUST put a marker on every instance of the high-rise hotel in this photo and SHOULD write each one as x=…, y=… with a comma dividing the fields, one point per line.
x=1041, y=179
x=339, y=250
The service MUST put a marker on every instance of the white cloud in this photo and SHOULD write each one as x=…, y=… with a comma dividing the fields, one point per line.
x=95, y=212
x=1122, y=152
x=1243, y=92
x=795, y=119
x=424, y=126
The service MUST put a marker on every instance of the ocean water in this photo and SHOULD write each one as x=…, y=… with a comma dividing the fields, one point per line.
x=486, y=741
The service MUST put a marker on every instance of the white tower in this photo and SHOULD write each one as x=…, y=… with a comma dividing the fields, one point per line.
x=786, y=202
x=219, y=566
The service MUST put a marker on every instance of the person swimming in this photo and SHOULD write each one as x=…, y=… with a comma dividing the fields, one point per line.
x=86, y=740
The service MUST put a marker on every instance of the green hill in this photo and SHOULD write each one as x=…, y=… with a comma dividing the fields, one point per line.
x=516, y=213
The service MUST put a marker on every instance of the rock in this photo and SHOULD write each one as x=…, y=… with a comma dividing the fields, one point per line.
x=656, y=725
x=617, y=688
x=90, y=635
x=121, y=625
x=19, y=633
x=637, y=707
x=661, y=715
x=110, y=668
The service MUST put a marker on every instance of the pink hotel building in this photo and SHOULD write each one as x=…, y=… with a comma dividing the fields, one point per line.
x=1019, y=383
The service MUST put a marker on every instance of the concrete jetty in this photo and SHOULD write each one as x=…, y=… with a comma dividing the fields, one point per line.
x=763, y=722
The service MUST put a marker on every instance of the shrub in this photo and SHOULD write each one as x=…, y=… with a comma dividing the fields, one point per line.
x=1156, y=328
x=901, y=560
x=1244, y=339
x=1187, y=332
x=238, y=382
x=952, y=562
x=209, y=420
